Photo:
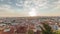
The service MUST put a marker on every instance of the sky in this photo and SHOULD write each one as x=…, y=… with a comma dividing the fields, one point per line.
x=22, y=8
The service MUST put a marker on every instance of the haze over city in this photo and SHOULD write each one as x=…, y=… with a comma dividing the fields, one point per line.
x=22, y=8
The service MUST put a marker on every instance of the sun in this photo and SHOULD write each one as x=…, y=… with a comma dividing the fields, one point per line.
x=32, y=12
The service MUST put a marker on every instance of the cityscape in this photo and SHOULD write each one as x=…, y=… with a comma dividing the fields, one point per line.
x=21, y=25
x=29, y=16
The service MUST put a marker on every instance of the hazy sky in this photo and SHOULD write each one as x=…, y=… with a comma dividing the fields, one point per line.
x=10, y=8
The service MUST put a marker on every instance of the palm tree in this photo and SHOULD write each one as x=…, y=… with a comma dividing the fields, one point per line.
x=46, y=29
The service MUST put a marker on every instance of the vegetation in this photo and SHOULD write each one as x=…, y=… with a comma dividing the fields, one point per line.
x=30, y=31
x=57, y=32
x=46, y=29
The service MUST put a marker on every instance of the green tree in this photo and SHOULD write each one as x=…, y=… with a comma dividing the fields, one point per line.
x=57, y=32
x=46, y=29
x=30, y=31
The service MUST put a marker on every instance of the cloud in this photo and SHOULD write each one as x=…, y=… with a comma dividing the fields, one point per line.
x=19, y=5
x=1, y=0
x=23, y=7
x=8, y=11
x=6, y=8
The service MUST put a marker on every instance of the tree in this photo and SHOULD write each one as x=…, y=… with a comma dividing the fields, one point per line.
x=46, y=29
x=30, y=31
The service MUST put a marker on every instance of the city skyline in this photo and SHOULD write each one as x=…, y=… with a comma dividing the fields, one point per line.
x=24, y=8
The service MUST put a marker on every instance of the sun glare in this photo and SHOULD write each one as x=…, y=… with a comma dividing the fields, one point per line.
x=32, y=12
